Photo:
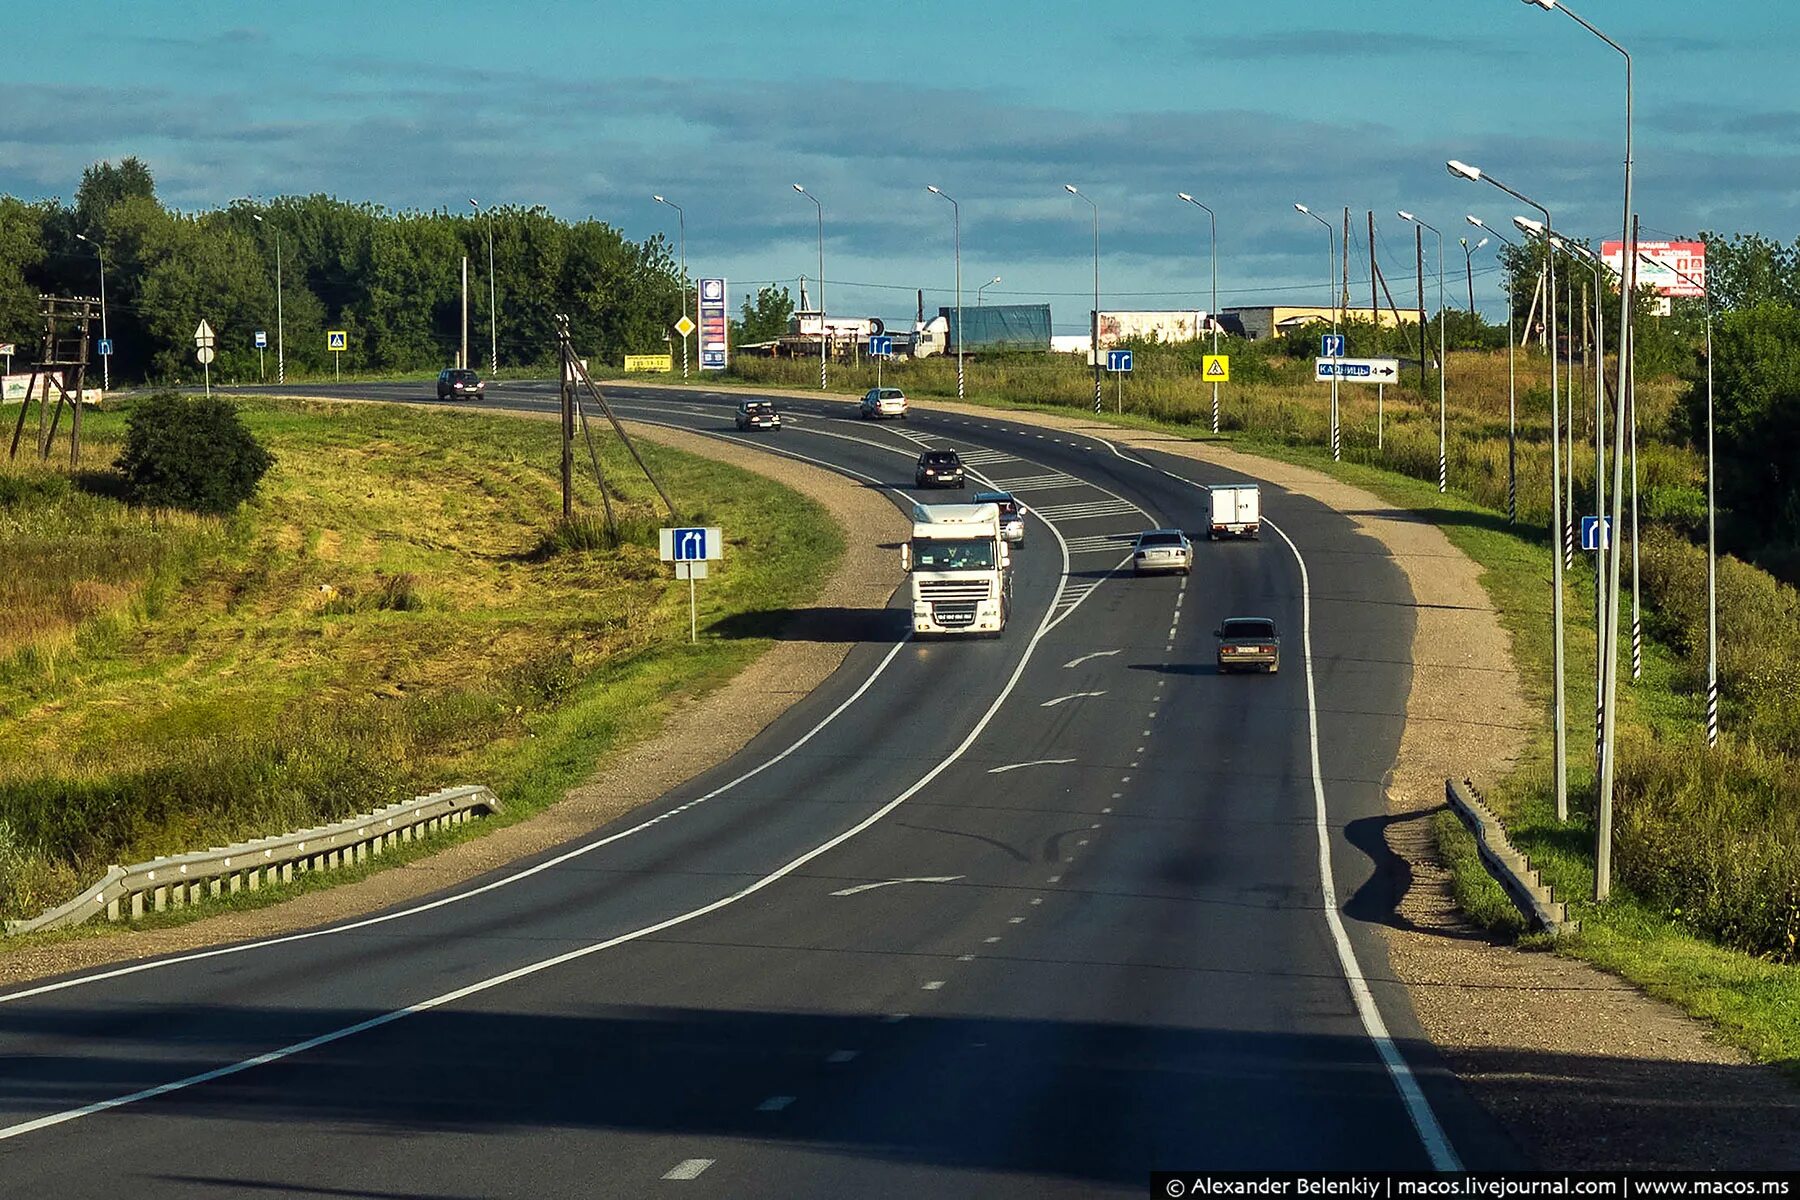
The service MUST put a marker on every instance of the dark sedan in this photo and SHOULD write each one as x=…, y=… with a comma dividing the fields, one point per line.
x=939, y=468
x=1249, y=644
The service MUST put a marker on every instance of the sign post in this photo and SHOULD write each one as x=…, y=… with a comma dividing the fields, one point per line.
x=880, y=346
x=1119, y=363
x=262, y=343
x=337, y=341
x=714, y=326
x=203, y=350
x=690, y=549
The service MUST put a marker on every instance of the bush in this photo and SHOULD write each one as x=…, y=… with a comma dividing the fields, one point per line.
x=190, y=452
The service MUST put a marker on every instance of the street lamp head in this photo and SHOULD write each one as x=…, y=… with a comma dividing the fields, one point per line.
x=933, y=189
x=1303, y=208
x=1406, y=216
x=1527, y=225
x=1184, y=196
x=257, y=217
x=1546, y=5
x=659, y=199
x=1481, y=243
x=1070, y=188
x=799, y=189
x=1476, y=221
x=995, y=279
x=1463, y=170
x=82, y=237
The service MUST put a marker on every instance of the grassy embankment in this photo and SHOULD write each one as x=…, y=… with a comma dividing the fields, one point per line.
x=1706, y=902
x=391, y=614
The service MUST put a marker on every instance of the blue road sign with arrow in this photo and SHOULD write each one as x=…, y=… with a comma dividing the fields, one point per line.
x=1118, y=360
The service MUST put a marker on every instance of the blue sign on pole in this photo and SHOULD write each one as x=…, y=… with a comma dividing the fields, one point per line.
x=1118, y=360
x=1592, y=537
x=1331, y=345
x=105, y=347
x=262, y=339
x=690, y=545
x=881, y=346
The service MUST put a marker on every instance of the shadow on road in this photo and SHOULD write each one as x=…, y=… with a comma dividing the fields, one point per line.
x=825, y=624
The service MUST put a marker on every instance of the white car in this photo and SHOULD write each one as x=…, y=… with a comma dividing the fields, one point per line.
x=883, y=402
x=1162, y=550
x=1012, y=515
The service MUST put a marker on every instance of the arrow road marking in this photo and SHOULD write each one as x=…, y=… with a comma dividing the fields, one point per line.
x=1070, y=696
x=1036, y=762
x=869, y=887
x=1076, y=662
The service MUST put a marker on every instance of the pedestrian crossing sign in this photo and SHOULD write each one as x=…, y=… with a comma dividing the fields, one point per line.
x=1216, y=368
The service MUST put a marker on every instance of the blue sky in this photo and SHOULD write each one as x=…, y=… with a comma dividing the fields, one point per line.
x=589, y=108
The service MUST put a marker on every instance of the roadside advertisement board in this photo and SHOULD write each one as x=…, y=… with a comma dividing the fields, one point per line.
x=1664, y=259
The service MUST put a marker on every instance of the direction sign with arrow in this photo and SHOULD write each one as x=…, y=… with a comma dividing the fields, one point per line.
x=1356, y=370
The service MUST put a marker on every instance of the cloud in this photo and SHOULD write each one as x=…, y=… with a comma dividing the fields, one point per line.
x=1346, y=44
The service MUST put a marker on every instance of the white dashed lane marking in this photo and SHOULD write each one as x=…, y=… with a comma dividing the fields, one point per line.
x=688, y=1168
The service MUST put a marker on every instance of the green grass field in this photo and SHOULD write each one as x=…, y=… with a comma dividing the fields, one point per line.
x=389, y=615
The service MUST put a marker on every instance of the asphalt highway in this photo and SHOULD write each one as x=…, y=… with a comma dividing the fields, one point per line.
x=1030, y=916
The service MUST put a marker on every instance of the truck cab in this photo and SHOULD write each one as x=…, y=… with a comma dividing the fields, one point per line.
x=960, y=569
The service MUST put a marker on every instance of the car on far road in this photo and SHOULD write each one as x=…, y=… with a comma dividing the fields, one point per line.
x=1162, y=550
x=939, y=468
x=461, y=383
x=1012, y=515
x=757, y=414
x=1248, y=643
x=883, y=402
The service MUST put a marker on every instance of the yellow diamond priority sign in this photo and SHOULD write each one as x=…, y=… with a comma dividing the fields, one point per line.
x=685, y=326
x=1216, y=368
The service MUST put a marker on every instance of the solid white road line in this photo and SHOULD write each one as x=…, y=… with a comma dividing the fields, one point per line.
x=1076, y=662
x=1036, y=762
x=869, y=887
x=1070, y=696
x=50, y=1120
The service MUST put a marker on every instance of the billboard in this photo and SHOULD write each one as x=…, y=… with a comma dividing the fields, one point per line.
x=715, y=327
x=1658, y=263
x=1179, y=325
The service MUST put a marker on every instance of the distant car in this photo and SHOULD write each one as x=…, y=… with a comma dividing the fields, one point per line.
x=1247, y=643
x=939, y=468
x=883, y=402
x=460, y=382
x=1162, y=550
x=757, y=414
x=1012, y=514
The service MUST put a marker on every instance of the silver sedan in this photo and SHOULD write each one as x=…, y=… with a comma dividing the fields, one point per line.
x=1162, y=550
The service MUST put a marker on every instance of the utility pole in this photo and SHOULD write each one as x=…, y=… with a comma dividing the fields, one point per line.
x=567, y=398
x=1419, y=256
x=463, y=357
x=1094, y=323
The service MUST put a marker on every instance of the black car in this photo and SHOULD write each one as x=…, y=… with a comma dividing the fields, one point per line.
x=1248, y=643
x=939, y=468
x=460, y=381
x=757, y=414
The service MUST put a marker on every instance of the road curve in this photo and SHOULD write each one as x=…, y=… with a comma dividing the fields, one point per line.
x=1030, y=917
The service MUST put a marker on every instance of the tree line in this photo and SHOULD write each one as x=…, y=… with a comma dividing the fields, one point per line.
x=391, y=280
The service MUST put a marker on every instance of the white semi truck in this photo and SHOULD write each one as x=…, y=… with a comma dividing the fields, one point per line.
x=961, y=569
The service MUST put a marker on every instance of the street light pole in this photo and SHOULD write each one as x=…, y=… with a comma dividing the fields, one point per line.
x=1469, y=267
x=1463, y=170
x=823, y=336
x=1627, y=350
x=1213, y=314
x=1331, y=276
x=1094, y=330
x=984, y=287
x=1512, y=388
x=493, y=311
x=956, y=219
x=105, y=359
x=1443, y=361
x=681, y=221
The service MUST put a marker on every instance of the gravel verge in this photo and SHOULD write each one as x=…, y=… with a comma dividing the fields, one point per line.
x=706, y=732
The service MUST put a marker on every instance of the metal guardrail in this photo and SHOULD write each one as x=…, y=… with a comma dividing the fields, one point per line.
x=183, y=880
x=1511, y=869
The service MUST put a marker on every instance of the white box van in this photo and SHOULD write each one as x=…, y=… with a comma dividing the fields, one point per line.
x=1236, y=510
